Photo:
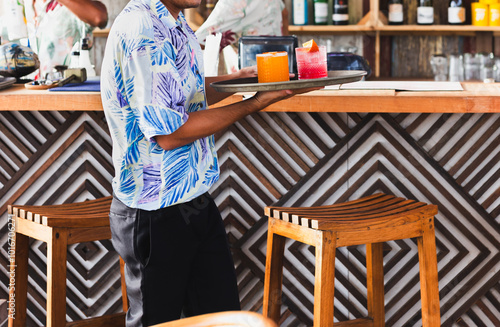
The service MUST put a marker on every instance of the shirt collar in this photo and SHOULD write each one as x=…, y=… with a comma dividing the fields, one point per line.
x=159, y=9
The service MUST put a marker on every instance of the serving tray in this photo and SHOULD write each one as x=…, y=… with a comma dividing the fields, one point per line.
x=252, y=85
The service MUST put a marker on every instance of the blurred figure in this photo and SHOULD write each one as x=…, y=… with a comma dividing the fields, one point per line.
x=55, y=26
x=235, y=18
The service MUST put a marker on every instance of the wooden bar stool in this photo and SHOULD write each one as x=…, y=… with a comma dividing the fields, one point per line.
x=371, y=220
x=58, y=226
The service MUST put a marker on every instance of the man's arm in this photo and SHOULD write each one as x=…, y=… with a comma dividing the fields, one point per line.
x=207, y=122
x=91, y=12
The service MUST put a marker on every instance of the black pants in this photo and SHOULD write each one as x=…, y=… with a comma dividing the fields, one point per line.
x=177, y=260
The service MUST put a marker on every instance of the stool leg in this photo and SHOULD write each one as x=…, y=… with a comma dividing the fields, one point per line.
x=324, y=279
x=124, y=286
x=429, y=288
x=56, y=278
x=375, y=283
x=18, y=291
x=274, y=275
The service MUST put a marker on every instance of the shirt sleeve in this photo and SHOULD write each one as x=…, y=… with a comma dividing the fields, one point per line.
x=154, y=93
x=227, y=16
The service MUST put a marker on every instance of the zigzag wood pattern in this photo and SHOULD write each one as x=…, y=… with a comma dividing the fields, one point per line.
x=270, y=159
x=80, y=148
x=473, y=143
x=442, y=252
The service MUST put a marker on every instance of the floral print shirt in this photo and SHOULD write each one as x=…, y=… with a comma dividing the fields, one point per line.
x=151, y=79
x=234, y=18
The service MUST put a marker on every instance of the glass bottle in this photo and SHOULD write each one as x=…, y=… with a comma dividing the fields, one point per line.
x=299, y=12
x=395, y=12
x=425, y=12
x=340, y=12
x=456, y=12
x=320, y=12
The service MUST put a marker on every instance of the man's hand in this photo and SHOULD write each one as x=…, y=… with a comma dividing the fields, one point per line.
x=266, y=98
x=245, y=72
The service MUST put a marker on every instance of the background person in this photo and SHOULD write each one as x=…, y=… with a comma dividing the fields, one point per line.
x=55, y=26
x=235, y=18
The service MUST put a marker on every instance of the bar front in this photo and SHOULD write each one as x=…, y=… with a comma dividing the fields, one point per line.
x=319, y=148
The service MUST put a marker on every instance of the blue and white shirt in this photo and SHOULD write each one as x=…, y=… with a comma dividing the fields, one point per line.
x=151, y=79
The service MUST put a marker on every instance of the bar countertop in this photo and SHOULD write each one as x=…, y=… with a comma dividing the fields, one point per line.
x=476, y=98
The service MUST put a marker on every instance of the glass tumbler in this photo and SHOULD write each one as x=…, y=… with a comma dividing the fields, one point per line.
x=456, y=67
x=471, y=67
x=311, y=64
x=273, y=67
x=439, y=65
x=496, y=71
x=486, y=65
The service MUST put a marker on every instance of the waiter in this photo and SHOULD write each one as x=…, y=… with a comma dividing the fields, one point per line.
x=164, y=223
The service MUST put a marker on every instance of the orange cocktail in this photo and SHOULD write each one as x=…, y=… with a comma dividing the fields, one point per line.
x=273, y=67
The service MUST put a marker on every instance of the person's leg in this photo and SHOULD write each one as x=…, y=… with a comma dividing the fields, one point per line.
x=157, y=247
x=123, y=225
x=212, y=286
x=166, y=273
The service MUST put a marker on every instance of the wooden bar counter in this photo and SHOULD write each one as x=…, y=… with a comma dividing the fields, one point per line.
x=323, y=147
x=476, y=98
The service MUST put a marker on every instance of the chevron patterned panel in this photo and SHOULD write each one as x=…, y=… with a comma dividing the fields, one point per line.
x=58, y=157
x=299, y=159
x=326, y=158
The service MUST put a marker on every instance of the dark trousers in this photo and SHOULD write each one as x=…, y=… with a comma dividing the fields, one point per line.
x=177, y=259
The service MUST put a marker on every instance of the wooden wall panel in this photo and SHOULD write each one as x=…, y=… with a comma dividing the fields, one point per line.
x=409, y=54
x=300, y=159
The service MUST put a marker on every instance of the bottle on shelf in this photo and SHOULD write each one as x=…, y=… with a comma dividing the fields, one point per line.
x=85, y=58
x=320, y=12
x=395, y=12
x=494, y=14
x=299, y=12
x=340, y=14
x=456, y=12
x=479, y=13
x=425, y=12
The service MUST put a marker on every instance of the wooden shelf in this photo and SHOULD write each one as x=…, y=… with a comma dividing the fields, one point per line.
x=329, y=29
x=464, y=30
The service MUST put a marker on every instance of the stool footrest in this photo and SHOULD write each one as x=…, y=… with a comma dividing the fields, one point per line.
x=113, y=320
x=361, y=322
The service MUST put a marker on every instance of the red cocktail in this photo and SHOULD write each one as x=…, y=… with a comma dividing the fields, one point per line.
x=311, y=64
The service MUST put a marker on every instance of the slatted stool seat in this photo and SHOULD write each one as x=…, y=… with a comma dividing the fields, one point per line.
x=370, y=220
x=58, y=226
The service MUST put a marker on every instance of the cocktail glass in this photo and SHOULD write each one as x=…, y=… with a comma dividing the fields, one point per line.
x=273, y=67
x=311, y=64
